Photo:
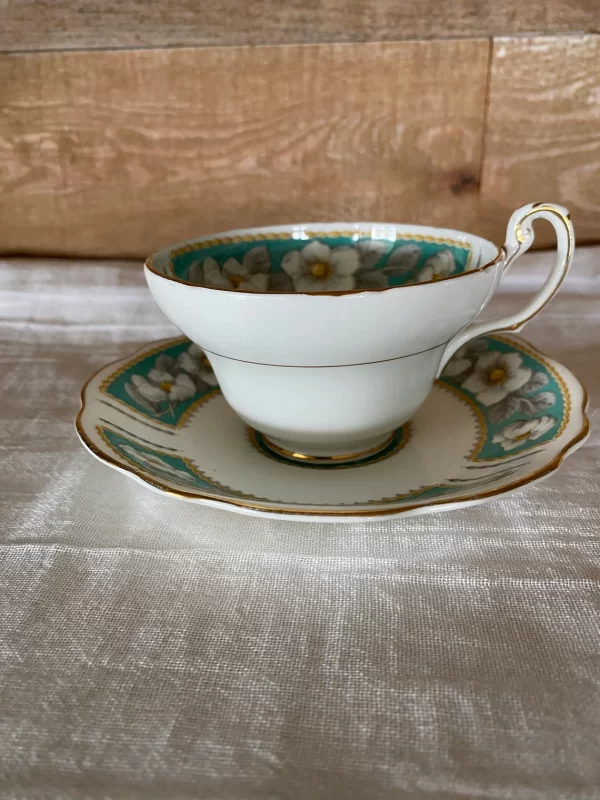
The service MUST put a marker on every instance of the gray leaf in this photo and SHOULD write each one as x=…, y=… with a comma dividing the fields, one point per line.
x=543, y=400
x=201, y=385
x=280, y=282
x=258, y=259
x=537, y=380
x=395, y=272
x=476, y=347
x=403, y=259
x=196, y=273
x=525, y=405
x=372, y=280
x=370, y=252
x=462, y=377
x=168, y=364
x=138, y=398
x=503, y=410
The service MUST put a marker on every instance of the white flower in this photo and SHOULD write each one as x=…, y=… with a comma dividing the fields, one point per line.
x=495, y=376
x=194, y=361
x=165, y=383
x=252, y=275
x=437, y=267
x=153, y=464
x=318, y=268
x=516, y=433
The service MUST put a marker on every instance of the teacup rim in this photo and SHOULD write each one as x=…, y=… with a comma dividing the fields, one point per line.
x=326, y=226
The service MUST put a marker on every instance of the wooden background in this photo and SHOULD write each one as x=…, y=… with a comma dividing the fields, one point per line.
x=128, y=125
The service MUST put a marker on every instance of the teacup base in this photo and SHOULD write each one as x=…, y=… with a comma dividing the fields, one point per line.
x=366, y=451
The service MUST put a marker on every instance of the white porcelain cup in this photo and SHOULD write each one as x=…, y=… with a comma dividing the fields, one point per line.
x=326, y=338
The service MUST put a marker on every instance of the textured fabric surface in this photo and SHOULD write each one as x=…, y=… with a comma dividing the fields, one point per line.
x=153, y=649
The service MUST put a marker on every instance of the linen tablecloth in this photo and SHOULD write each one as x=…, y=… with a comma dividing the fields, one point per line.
x=155, y=649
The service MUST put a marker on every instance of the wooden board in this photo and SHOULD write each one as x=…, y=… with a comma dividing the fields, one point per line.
x=75, y=24
x=118, y=153
x=543, y=132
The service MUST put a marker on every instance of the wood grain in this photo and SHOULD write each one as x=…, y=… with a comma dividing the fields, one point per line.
x=78, y=24
x=543, y=132
x=117, y=153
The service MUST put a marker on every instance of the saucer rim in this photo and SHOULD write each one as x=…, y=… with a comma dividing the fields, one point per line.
x=233, y=504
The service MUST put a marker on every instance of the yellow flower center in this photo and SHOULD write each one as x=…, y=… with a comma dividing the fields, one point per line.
x=496, y=375
x=521, y=437
x=320, y=270
x=206, y=363
x=235, y=280
x=437, y=276
x=166, y=386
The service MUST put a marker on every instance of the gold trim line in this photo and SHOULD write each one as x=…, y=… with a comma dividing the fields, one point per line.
x=326, y=459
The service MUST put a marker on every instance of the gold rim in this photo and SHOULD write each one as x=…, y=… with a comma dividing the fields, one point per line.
x=296, y=512
x=326, y=459
x=187, y=248
x=402, y=442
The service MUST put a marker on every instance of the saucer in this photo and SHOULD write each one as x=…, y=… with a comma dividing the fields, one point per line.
x=501, y=416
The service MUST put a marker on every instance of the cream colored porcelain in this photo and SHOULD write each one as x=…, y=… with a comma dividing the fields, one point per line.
x=332, y=373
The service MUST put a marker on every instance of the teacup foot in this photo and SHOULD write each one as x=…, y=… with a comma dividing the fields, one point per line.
x=372, y=452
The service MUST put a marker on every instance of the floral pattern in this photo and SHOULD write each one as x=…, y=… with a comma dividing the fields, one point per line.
x=513, y=435
x=462, y=361
x=195, y=362
x=252, y=274
x=500, y=381
x=324, y=265
x=438, y=266
x=495, y=376
x=158, y=465
x=508, y=385
x=170, y=382
x=153, y=464
x=320, y=268
x=163, y=384
x=370, y=251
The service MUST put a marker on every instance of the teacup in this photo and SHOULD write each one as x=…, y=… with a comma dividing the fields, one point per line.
x=327, y=338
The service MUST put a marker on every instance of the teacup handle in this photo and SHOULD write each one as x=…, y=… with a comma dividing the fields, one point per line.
x=519, y=238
